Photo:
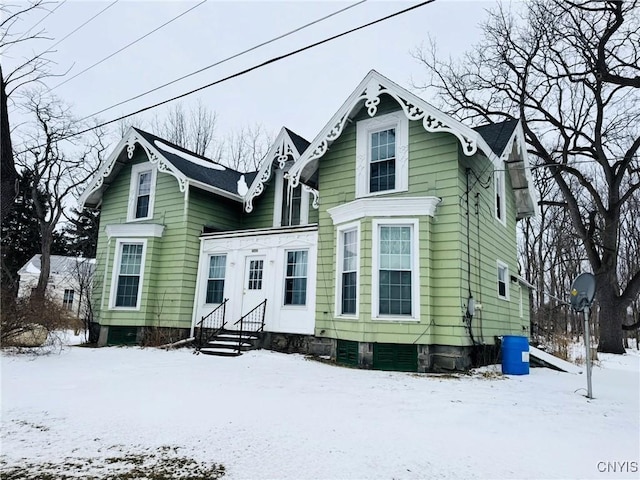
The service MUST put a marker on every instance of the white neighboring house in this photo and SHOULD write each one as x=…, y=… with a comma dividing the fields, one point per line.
x=70, y=279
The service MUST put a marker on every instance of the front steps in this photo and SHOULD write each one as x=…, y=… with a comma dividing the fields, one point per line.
x=231, y=343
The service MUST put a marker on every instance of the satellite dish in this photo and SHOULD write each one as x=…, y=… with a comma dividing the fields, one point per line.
x=583, y=290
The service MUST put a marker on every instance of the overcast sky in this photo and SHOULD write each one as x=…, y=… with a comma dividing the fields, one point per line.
x=300, y=92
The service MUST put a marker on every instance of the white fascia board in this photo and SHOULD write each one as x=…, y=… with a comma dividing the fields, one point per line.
x=134, y=230
x=218, y=191
x=384, y=207
x=414, y=107
x=106, y=168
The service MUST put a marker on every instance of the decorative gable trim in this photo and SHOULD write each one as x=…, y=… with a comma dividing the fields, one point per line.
x=281, y=150
x=384, y=207
x=414, y=108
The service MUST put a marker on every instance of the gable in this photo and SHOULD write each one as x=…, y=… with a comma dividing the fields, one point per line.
x=185, y=166
x=368, y=97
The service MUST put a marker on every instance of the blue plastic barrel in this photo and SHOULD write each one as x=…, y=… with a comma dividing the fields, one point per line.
x=515, y=355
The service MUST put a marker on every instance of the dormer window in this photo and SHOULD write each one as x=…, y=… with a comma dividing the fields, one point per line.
x=291, y=206
x=500, y=196
x=382, y=161
x=144, y=193
x=141, y=192
x=382, y=153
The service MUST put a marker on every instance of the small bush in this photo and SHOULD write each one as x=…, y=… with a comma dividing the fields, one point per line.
x=31, y=322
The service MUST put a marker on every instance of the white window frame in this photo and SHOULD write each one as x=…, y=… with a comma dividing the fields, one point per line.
x=365, y=128
x=207, y=278
x=284, y=280
x=115, y=272
x=136, y=170
x=415, y=269
x=280, y=198
x=355, y=226
x=521, y=305
x=65, y=303
x=502, y=265
x=499, y=192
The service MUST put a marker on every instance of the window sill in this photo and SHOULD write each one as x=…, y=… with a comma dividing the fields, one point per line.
x=395, y=319
x=125, y=309
x=383, y=192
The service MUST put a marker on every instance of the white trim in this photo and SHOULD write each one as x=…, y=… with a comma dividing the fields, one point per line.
x=136, y=170
x=284, y=280
x=500, y=264
x=339, y=262
x=365, y=129
x=206, y=280
x=368, y=92
x=115, y=272
x=281, y=150
x=279, y=199
x=499, y=188
x=415, y=269
x=384, y=207
x=134, y=230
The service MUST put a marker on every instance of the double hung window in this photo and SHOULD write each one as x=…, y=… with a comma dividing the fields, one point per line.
x=215, y=278
x=130, y=268
x=295, y=281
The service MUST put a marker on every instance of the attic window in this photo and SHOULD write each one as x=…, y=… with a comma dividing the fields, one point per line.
x=290, y=207
x=141, y=192
x=382, y=155
x=499, y=188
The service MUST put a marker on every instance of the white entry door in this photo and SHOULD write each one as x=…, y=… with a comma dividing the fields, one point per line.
x=254, y=283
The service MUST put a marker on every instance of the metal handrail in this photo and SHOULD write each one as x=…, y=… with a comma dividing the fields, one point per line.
x=253, y=314
x=212, y=322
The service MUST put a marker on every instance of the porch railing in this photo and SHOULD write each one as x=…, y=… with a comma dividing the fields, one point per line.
x=252, y=322
x=212, y=324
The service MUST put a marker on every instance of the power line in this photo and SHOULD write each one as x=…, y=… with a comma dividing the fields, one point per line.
x=245, y=71
x=236, y=55
x=128, y=45
x=35, y=25
x=48, y=49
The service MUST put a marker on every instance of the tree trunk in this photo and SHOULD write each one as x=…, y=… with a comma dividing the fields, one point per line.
x=45, y=265
x=8, y=175
x=612, y=313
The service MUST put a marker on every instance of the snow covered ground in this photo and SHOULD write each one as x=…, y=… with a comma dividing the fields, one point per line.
x=113, y=412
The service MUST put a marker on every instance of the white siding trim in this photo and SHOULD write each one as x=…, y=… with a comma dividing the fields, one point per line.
x=139, y=230
x=384, y=207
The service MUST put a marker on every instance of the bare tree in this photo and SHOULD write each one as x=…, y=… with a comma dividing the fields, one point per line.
x=30, y=69
x=245, y=148
x=58, y=171
x=570, y=70
x=194, y=130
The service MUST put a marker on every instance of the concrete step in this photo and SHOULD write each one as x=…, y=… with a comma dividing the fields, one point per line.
x=219, y=352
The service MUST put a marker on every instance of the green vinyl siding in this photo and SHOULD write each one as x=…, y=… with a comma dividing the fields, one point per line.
x=171, y=261
x=436, y=168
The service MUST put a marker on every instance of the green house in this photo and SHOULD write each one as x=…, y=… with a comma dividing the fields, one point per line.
x=387, y=242
x=417, y=256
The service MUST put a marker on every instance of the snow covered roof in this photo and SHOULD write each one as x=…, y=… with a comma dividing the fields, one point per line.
x=187, y=167
x=60, y=265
